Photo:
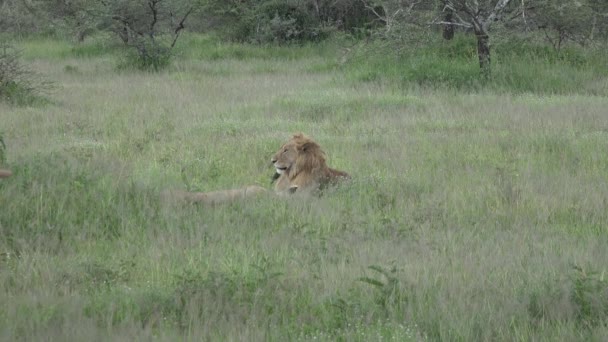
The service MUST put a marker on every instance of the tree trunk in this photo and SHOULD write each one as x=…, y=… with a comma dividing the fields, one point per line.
x=483, y=52
x=448, y=30
x=81, y=32
x=315, y=3
x=123, y=33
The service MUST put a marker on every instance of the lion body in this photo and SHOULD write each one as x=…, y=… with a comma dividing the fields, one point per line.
x=300, y=165
x=215, y=197
x=5, y=173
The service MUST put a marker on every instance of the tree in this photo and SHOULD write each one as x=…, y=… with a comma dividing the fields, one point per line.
x=479, y=16
x=73, y=16
x=566, y=20
x=150, y=27
x=19, y=17
x=448, y=27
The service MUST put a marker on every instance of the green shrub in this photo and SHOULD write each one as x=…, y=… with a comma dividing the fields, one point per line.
x=18, y=84
x=275, y=21
x=147, y=56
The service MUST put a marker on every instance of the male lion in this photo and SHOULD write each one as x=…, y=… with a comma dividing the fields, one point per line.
x=300, y=167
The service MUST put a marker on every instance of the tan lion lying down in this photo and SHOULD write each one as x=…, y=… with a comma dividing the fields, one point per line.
x=300, y=167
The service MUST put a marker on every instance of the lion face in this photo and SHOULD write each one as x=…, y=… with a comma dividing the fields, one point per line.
x=299, y=154
x=284, y=160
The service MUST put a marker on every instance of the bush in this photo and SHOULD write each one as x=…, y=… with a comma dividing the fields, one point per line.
x=18, y=84
x=148, y=56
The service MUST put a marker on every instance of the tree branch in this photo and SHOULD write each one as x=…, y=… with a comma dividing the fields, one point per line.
x=371, y=8
x=497, y=11
x=460, y=22
x=152, y=4
x=466, y=25
x=180, y=26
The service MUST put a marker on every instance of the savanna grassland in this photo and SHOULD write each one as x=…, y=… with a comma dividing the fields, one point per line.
x=475, y=213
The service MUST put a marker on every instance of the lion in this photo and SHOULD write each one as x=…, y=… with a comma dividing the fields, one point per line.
x=5, y=173
x=300, y=167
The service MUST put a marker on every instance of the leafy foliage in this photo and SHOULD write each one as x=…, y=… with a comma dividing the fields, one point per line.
x=282, y=22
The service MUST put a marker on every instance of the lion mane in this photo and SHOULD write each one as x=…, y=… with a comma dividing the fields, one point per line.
x=300, y=166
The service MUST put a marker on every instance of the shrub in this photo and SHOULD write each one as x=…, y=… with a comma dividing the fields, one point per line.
x=18, y=84
x=278, y=22
x=147, y=55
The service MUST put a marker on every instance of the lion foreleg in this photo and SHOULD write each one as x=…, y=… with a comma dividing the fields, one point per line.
x=303, y=184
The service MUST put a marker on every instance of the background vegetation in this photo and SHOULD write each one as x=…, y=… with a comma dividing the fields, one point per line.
x=478, y=208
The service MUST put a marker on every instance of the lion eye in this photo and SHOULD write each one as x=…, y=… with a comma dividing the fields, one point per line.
x=285, y=150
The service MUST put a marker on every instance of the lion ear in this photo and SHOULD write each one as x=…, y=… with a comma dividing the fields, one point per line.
x=306, y=146
x=309, y=145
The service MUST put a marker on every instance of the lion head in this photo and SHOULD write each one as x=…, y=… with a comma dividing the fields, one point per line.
x=300, y=165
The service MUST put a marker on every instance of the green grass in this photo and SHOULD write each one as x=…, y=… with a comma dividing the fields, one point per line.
x=50, y=48
x=471, y=215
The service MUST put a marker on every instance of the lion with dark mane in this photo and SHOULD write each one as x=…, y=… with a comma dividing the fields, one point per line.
x=300, y=168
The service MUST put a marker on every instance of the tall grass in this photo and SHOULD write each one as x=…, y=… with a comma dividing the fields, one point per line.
x=471, y=216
